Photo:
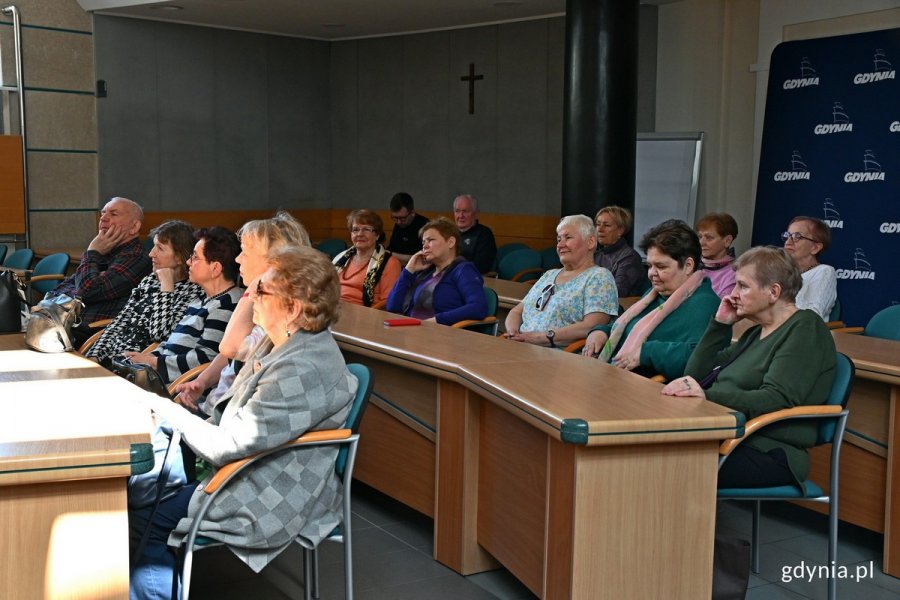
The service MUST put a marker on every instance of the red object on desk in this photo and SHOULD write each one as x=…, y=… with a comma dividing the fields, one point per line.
x=401, y=322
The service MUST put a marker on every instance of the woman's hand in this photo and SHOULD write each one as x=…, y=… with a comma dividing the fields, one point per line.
x=166, y=278
x=727, y=314
x=187, y=394
x=684, y=386
x=594, y=343
x=418, y=262
x=141, y=358
x=537, y=338
x=627, y=360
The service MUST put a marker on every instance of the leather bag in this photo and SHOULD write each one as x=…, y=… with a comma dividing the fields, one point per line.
x=144, y=376
x=11, y=297
x=49, y=326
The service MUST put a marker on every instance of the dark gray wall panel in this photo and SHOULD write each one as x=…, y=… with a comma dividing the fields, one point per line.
x=473, y=138
x=126, y=59
x=240, y=120
x=426, y=60
x=646, y=108
x=186, y=73
x=344, y=87
x=556, y=59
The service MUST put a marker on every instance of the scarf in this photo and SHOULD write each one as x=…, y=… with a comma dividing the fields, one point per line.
x=651, y=320
x=376, y=267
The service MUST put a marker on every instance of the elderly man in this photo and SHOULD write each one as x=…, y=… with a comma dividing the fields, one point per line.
x=405, y=240
x=110, y=268
x=478, y=244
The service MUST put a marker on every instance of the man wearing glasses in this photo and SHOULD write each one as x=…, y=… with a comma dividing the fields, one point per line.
x=405, y=240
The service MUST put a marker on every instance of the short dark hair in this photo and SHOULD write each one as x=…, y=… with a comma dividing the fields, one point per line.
x=221, y=245
x=178, y=234
x=821, y=231
x=675, y=239
x=723, y=223
x=402, y=200
x=447, y=229
x=364, y=216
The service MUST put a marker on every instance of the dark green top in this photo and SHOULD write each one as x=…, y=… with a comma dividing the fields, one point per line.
x=669, y=346
x=793, y=366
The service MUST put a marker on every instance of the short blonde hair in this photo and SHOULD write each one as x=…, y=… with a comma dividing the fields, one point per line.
x=773, y=265
x=280, y=230
x=303, y=274
x=620, y=215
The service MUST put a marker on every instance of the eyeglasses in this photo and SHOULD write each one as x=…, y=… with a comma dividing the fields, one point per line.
x=400, y=218
x=545, y=296
x=358, y=230
x=796, y=236
x=260, y=292
x=195, y=257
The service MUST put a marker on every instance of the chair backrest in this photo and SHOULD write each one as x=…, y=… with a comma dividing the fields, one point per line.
x=550, y=259
x=54, y=264
x=3, y=249
x=507, y=248
x=838, y=396
x=520, y=260
x=332, y=246
x=354, y=417
x=835, y=314
x=885, y=324
x=20, y=259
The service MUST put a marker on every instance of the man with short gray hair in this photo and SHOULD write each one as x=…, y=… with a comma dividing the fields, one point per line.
x=478, y=244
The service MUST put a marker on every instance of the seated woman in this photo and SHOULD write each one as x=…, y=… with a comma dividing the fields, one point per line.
x=295, y=381
x=259, y=239
x=805, y=240
x=437, y=284
x=367, y=270
x=787, y=359
x=717, y=232
x=196, y=337
x=159, y=300
x=658, y=333
x=566, y=303
x=614, y=254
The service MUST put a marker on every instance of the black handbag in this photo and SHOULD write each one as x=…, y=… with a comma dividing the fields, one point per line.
x=49, y=325
x=12, y=296
x=144, y=376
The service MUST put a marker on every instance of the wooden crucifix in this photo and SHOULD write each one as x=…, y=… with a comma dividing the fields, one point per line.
x=471, y=78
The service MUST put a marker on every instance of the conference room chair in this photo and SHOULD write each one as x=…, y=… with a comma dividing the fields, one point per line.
x=832, y=417
x=487, y=325
x=505, y=249
x=47, y=274
x=3, y=249
x=346, y=439
x=834, y=317
x=521, y=265
x=550, y=259
x=189, y=375
x=331, y=246
x=20, y=260
x=883, y=324
x=100, y=326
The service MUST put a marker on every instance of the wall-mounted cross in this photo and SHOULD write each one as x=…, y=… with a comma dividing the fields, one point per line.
x=471, y=78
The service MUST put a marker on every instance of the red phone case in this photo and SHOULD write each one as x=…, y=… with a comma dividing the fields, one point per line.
x=401, y=322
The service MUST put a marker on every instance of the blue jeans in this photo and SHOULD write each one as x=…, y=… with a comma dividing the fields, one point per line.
x=154, y=576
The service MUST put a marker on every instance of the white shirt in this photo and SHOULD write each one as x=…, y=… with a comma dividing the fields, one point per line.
x=819, y=290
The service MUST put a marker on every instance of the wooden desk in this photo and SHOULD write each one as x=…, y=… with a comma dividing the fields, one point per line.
x=69, y=438
x=578, y=477
x=870, y=455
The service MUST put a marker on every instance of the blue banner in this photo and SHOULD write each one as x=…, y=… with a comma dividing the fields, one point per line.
x=831, y=149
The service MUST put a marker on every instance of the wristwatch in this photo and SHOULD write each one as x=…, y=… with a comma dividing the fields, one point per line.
x=551, y=335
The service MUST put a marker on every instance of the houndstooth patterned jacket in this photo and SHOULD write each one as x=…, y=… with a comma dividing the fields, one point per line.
x=279, y=394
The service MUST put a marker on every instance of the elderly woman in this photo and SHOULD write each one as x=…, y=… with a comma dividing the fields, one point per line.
x=614, y=254
x=259, y=238
x=787, y=359
x=295, y=381
x=566, y=303
x=805, y=240
x=367, y=270
x=159, y=300
x=437, y=284
x=196, y=337
x=717, y=232
x=659, y=332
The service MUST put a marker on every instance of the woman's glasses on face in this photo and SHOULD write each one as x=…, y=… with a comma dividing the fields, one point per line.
x=195, y=257
x=358, y=230
x=545, y=296
x=796, y=236
x=260, y=292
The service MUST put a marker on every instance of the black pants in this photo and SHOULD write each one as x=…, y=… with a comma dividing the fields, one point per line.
x=749, y=467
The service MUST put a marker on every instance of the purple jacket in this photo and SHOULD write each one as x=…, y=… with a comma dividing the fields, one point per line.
x=458, y=296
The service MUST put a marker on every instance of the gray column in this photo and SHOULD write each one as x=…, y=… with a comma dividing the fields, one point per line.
x=600, y=105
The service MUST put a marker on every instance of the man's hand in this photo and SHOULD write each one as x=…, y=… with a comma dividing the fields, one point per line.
x=104, y=242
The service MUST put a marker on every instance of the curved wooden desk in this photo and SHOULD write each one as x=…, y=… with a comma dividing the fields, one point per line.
x=578, y=477
x=69, y=439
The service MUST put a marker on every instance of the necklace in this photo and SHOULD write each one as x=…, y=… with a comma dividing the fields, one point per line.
x=220, y=294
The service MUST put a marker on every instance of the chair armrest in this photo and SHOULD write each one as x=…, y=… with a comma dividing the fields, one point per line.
x=100, y=323
x=189, y=375
x=150, y=348
x=471, y=322
x=88, y=343
x=576, y=346
x=848, y=330
x=835, y=325
x=380, y=304
x=659, y=378
x=325, y=435
x=47, y=278
x=754, y=425
x=490, y=274
x=525, y=272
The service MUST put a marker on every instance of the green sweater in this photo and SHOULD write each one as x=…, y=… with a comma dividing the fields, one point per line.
x=669, y=346
x=793, y=366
